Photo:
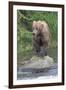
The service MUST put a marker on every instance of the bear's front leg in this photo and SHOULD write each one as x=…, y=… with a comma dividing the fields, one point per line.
x=43, y=52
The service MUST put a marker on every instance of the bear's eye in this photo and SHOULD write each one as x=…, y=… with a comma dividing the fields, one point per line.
x=36, y=28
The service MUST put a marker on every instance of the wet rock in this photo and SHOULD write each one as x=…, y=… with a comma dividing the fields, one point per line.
x=39, y=62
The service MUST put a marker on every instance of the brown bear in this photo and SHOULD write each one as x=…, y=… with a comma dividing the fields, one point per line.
x=41, y=37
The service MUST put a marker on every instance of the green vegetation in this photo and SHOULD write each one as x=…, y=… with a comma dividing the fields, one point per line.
x=24, y=31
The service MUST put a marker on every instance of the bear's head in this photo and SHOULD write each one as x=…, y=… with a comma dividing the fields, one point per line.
x=37, y=27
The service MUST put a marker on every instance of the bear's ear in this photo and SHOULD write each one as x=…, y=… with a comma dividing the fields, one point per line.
x=34, y=21
x=34, y=25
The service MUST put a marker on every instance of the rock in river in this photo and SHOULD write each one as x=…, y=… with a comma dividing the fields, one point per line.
x=36, y=67
x=39, y=62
